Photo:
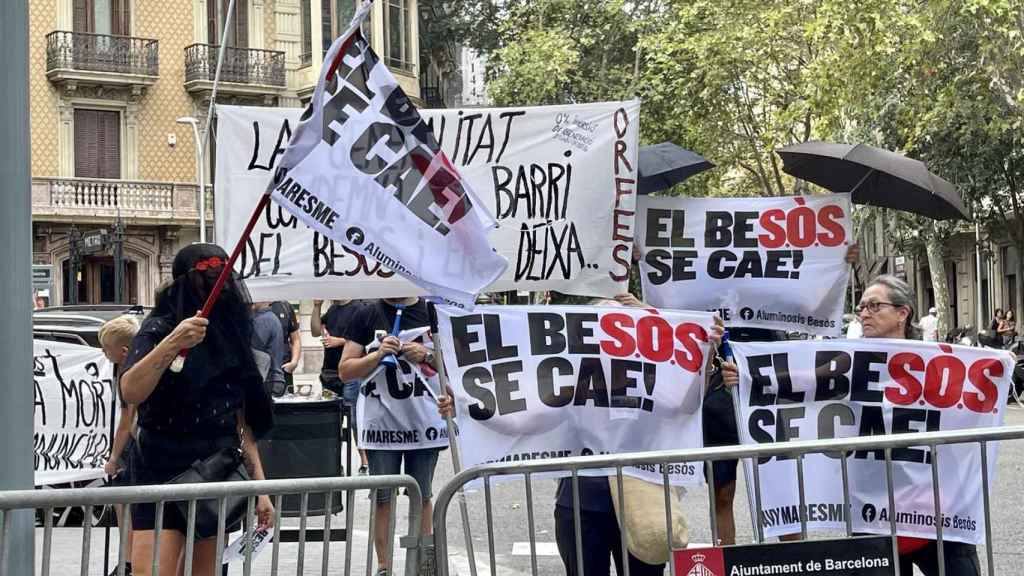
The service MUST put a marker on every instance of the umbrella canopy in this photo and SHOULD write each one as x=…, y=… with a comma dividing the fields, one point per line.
x=876, y=177
x=665, y=165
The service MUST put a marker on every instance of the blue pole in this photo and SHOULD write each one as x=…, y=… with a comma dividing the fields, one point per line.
x=16, y=417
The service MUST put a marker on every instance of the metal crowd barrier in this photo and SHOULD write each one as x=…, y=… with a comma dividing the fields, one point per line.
x=797, y=449
x=165, y=494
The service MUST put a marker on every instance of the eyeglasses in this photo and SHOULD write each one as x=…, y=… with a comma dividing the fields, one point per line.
x=873, y=307
x=211, y=263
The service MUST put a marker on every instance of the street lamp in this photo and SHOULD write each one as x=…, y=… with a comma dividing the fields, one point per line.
x=200, y=173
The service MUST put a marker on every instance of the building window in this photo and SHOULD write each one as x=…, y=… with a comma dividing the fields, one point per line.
x=335, y=16
x=102, y=17
x=398, y=37
x=97, y=143
x=306, y=55
x=238, y=33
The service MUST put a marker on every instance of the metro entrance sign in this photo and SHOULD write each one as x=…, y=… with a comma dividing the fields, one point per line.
x=860, y=556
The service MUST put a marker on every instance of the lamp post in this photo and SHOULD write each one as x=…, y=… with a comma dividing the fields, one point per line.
x=200, y=173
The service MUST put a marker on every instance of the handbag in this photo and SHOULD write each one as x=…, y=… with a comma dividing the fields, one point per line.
x=225, y=465
x=644, y=519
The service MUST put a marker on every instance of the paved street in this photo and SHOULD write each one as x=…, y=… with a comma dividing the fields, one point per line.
x=511, y=549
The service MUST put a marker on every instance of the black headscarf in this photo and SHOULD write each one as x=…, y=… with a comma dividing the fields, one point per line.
x=226, y=349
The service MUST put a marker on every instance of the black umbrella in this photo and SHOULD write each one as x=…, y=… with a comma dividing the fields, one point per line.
x=876, y=177
x=665, y=165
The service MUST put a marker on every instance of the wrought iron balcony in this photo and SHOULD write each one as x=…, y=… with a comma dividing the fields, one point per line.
x=101, y=59
x=86, y=199
x=245, y=70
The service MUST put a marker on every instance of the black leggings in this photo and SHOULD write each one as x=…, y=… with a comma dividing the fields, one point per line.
x=601, y=538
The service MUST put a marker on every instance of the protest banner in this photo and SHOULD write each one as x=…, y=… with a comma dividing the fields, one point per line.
x=366, y=171
x=539, y=382
x=74, y=408
x=397, y=406
x=769, y=262
x=870, y=387
x=559, y=180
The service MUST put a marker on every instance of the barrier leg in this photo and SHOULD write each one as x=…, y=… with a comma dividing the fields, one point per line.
x=250, y=534
x=47, y=540
x=847, y=506
x=668, y=522
x=623, y=528
x=373, y=531
x=938, y=510
x=87, y=540
x=531, y=525
x=758, y=526
x=989, y=553
x=577, y=524
x=190, y=537
x=158, y=526
x=329, y=502
x=490, y=525
x=709, y=469
x=276, y=546
x=222, y=517
x=892, y=510
x=300, y=560
x=803, y=495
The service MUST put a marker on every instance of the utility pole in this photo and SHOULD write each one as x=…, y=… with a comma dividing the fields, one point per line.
x=16, y=414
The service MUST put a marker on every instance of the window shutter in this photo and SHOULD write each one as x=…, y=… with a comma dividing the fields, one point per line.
x=120, y=24
x=212, y=37
x=110, y=145
x=241, y=24
x=86, y=151
x=83, y=16
x=97, y=144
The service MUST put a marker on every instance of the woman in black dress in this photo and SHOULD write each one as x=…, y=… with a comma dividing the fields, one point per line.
x=216, y=401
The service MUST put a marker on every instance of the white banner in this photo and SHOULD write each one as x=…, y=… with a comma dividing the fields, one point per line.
x=559, y=179
x=539, y=382
x=397, y=408
x=74, y=407
x=770, y=262
x=822, y=389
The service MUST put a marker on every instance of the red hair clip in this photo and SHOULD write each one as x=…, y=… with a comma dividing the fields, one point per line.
x=211, y=263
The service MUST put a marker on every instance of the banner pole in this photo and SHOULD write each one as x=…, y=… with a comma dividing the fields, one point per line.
x=453, y=443
x=179, y=362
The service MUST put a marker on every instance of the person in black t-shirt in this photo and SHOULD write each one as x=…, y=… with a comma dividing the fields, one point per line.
x=356, y=364
x=330, y=326
x=292, y=339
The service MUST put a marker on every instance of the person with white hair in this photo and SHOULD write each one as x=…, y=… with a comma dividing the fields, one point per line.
x=930, y=326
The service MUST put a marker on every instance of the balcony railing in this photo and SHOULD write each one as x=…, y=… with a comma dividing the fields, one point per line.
x=241, y=65
x=84, y=198
x=88, y=52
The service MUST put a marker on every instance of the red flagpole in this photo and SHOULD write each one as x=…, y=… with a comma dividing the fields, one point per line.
x=226, y=271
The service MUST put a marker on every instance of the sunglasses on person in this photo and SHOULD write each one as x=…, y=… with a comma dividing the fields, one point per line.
x=873, y=307
x=211, y=263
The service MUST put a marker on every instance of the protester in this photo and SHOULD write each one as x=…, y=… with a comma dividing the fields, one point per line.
x=268, y=338
x=357, y=364
x=115, y=337
x=291, y=339
x=886, y=310
x=930, y=326
x=598, y=520
x=216, y=401
x=1007, y=329
x=329, y=326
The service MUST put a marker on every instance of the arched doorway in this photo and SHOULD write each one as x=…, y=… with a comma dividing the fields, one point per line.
x=96, y=282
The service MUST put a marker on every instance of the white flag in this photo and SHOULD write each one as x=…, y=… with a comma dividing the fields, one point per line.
x=364, y=169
